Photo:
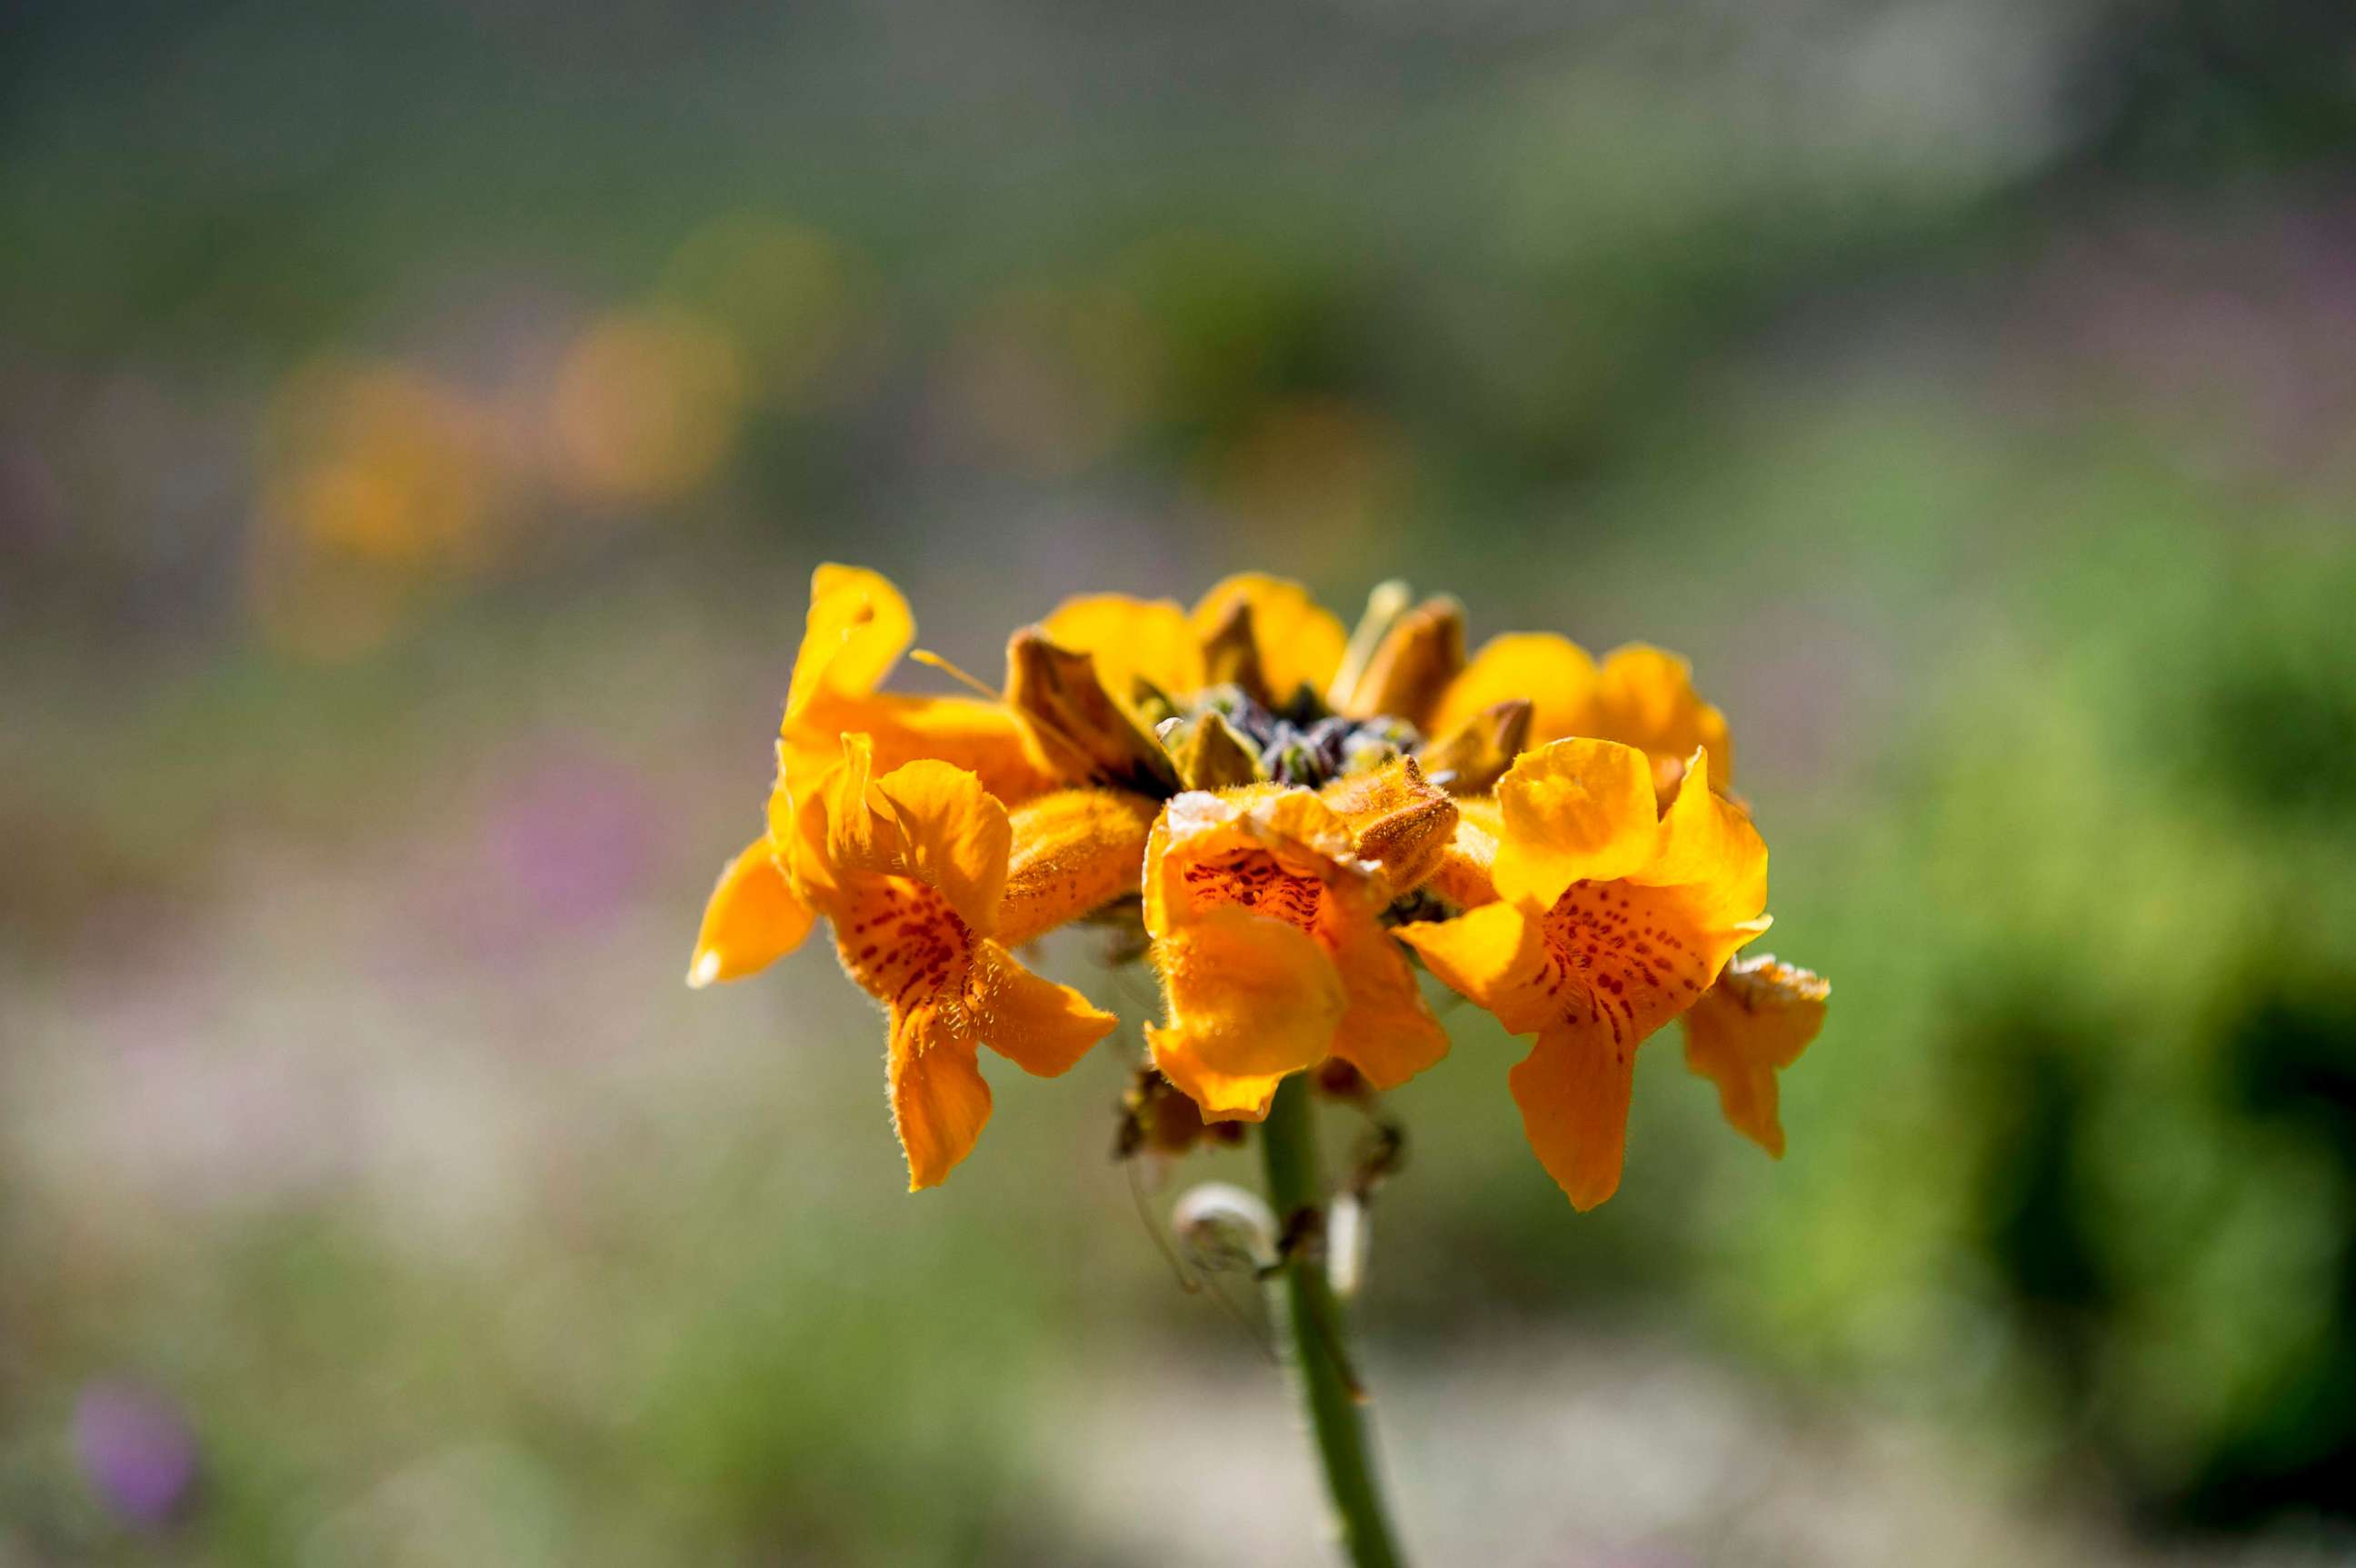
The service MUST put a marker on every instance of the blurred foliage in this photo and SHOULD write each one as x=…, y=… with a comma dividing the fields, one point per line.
x=2109, y=1166
x=2193, y=89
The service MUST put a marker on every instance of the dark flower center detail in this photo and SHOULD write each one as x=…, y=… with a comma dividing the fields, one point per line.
x=1301, y=743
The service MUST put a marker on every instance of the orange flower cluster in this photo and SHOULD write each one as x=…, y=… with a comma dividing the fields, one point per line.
x=1301, y=813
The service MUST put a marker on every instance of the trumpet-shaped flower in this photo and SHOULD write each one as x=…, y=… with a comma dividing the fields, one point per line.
x=1611, y=917
x=857, y=630
x=1265, y=908
x=927, y=891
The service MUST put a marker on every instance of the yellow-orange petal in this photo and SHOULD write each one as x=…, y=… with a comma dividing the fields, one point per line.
x=1633, y=956
x=858, y=626
x=899, y=941
x=1221, y=1096
x=1708, y=843
x=1075, y=850
x=1573, y=1090
x=1571, y=811
x=1748, y=1026
x=952, y=835
x=1554, y=673
x=1250, y=844
x=1248, y=994
x=1131, y=639
x=939, y=1102
x=1388, y=1033
x=1494, y=956
x=1037, y=1025
x=981, y=737
x=1295, y=824
x=1396, y=818
x=1301, y=643
x=1644, y=697
x=753, y=920
x=798, y=818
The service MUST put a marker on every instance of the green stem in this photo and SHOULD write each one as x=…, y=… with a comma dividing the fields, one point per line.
x=1300, y=1292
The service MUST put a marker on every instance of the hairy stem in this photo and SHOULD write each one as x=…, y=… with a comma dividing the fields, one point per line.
x=1302, y=1299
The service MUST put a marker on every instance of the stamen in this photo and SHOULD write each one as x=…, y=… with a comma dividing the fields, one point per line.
x=925, y=656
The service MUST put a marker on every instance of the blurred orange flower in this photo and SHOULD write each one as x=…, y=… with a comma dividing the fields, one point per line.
x=378, y=480
x=645, y=406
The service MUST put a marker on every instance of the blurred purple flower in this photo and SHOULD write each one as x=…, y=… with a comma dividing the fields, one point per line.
x=32, y=508
x=570, y=839
x=136, y=1451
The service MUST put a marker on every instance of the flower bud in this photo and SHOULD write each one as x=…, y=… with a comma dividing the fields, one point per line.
x=1385, y=604
x=1397, y=817
x=1231, y=656
x=1412, y=665
x=1081, y=731
x=1346, y=1229
x=1223, y=1227
x=1472, y=761
x=1208, y=753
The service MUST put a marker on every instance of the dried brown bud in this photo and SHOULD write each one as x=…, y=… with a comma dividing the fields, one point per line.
x=1471, y=762
x=1209, y=754
x=1397, y=817
x=1231, y=655
x=1156, y=1116
x=1409, y=669
x=1337, y=1080
x=1388, y=601
x=1082, y=733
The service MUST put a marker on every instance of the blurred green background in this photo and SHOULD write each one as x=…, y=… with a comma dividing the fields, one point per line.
x=418, y=423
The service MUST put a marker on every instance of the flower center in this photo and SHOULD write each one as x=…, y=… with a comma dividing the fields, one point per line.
x=1298, y=746
x=1253, y=879
x=905, y=943
x=1624, y=948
